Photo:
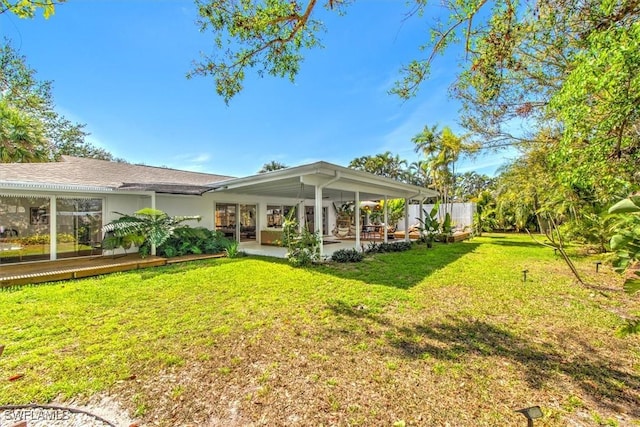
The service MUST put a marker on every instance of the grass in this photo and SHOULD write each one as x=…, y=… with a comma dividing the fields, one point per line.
x=425, y=337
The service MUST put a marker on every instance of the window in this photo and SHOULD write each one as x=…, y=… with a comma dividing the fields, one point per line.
x=276, y=215
x=24, y=228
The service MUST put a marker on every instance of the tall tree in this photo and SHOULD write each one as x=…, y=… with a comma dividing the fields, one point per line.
x=470, y=184
x=21, y=137
x=542, y=64
x=442, y=149
x=417, y=173
x=32, y=100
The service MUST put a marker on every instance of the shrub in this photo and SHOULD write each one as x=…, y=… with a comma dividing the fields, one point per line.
x=374, y=247
x=187, y=240
x=35, y=239
x=232, y=249
x=65, y=238
x=347, y=255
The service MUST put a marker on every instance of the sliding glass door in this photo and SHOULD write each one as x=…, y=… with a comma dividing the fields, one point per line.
x=232, y=219
x=79, y=222
x=24, y=228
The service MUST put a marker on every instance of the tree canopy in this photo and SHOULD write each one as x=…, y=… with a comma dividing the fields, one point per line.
x=28, y=8
x=31, y=129
x=555, y=78
x=385, y=164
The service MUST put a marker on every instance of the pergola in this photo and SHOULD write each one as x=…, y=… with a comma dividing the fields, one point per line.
x=325, y=181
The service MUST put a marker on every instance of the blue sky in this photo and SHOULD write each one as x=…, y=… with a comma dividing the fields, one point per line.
x=119, y=66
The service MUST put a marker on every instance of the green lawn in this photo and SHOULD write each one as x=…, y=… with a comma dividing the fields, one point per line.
x=425, y=337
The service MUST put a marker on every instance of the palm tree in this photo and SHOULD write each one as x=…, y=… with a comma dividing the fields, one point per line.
x=21, y=137
x=273, y=165
x=383, y=164
x=442, y=149
x=417, y=173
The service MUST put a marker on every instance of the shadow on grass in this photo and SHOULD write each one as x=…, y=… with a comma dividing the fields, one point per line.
x=400, y=269
x=516, y=243
x=541, y=362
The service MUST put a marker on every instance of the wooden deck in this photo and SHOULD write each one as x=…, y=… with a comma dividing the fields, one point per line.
x=65, y=269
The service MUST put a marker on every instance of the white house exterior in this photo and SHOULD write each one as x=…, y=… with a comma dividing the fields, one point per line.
x=58, y=209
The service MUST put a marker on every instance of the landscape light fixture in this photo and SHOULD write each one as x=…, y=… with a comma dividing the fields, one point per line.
x=598, y=264
x=524, y=275
x=531, y=414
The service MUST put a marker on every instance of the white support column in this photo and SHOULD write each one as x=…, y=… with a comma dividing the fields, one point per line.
x=317, y=217
x=386, y=220
x=153, y=206
x=406, y=220
x=356, y=211
x=260, y=218
x=237, y=225
x=213, y=226
x=301, y=215
x=53, y=228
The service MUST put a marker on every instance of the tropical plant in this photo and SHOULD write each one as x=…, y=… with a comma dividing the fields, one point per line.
x=590, y=228
x=484, y=218
x=152, y=226
x=446, y=227
x=395, y=210
x=626, y=241
x=113, y=241
x=232, y=249
x=303, y=246
x=429, y=224
x=197, y=240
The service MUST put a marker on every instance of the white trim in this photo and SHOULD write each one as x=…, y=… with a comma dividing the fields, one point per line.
x=323, y=173
x=17, y=185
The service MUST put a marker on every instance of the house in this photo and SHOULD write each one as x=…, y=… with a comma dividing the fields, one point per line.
x=56, y=210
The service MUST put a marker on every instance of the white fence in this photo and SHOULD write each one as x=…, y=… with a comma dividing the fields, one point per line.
x=461, y=215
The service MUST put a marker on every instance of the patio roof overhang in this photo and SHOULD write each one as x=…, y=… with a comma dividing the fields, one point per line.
x=337, y=183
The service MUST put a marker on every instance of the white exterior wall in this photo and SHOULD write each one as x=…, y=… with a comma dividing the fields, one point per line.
x=178, y=205
x=203, y=205
x=122, y=203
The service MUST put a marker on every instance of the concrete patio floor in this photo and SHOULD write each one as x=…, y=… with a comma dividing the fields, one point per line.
x=330, y=246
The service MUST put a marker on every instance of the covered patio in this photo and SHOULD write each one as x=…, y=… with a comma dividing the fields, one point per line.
x=321, y=183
